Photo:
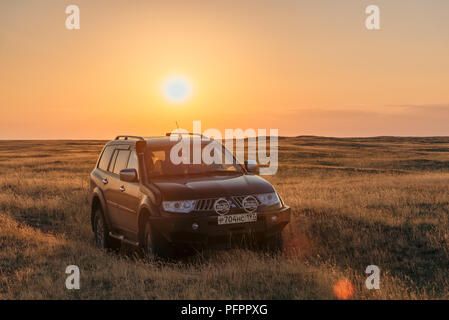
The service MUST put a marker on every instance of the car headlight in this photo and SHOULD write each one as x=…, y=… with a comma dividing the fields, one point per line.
x=268, y=199
x=183, y=206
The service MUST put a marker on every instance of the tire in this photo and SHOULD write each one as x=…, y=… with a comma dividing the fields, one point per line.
x=274, y=243
x=101, y=233
x=155, y=245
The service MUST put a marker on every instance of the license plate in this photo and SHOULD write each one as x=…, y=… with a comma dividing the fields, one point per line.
x=238, y=218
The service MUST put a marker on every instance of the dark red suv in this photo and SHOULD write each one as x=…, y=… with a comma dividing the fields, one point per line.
x=139, y=196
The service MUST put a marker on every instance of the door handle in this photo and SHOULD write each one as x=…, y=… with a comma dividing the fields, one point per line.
x=105, y=181
x=122, y=188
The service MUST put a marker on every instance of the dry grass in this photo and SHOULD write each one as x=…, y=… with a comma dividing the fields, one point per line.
x=355, y=202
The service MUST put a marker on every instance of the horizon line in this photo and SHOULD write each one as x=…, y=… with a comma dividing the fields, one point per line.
x=279, y=137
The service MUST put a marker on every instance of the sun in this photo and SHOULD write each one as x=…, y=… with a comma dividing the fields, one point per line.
x=177, y=89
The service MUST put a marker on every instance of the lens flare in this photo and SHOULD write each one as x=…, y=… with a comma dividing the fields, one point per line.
x=344, y=289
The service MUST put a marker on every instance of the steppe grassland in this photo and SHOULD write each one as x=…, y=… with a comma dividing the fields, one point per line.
x=355, y=202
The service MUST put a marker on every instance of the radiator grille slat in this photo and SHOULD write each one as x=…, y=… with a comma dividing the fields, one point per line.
x=204, y=205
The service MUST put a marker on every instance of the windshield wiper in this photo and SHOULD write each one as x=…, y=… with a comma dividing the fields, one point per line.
x=221, y=172
x=205, y=173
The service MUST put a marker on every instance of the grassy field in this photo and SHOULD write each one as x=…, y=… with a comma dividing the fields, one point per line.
x=355, y=202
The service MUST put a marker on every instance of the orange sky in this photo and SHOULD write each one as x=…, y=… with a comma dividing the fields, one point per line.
x=303, y=67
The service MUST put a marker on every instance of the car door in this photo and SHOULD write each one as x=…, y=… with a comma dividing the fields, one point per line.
x=114, y=194
x=129, y=199
x=106, y=179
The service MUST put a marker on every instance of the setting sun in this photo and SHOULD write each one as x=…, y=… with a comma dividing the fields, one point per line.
x=177, y=89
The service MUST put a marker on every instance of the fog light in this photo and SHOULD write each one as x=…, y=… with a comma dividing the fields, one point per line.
x=274, y=218
x=194, y=226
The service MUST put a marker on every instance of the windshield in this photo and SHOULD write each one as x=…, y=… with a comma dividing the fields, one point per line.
x=176, y=160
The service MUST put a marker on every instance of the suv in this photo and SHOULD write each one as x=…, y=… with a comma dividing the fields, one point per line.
x=139, y=196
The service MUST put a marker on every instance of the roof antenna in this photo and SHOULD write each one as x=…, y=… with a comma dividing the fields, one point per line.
x=177, y=126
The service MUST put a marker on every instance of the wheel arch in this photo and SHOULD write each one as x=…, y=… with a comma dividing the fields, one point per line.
x=146, y=210
x=99, y=202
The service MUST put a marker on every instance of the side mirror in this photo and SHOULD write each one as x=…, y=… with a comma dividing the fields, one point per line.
x=252, y=166
x=128, y=175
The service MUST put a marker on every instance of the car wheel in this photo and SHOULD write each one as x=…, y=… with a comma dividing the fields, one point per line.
x=155, y=244
x=101, y=233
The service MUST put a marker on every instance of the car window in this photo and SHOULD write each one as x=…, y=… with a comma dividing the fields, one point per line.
x=105, y=157
x=158, y=162
x=133, y=162
x=122, y=161
x=112, y=163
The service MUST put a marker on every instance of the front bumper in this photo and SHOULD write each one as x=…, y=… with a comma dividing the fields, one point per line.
x=178, y=229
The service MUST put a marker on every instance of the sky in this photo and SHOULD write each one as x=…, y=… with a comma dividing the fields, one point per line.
x=302, y=67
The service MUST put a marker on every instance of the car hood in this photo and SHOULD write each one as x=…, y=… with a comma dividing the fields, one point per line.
x=192, y=188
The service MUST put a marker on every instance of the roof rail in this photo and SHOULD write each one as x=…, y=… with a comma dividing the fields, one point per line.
x=129, y=137
x=168, y=134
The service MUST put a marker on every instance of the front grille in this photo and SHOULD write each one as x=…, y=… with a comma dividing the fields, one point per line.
x=207, y=205
x=238, y=200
